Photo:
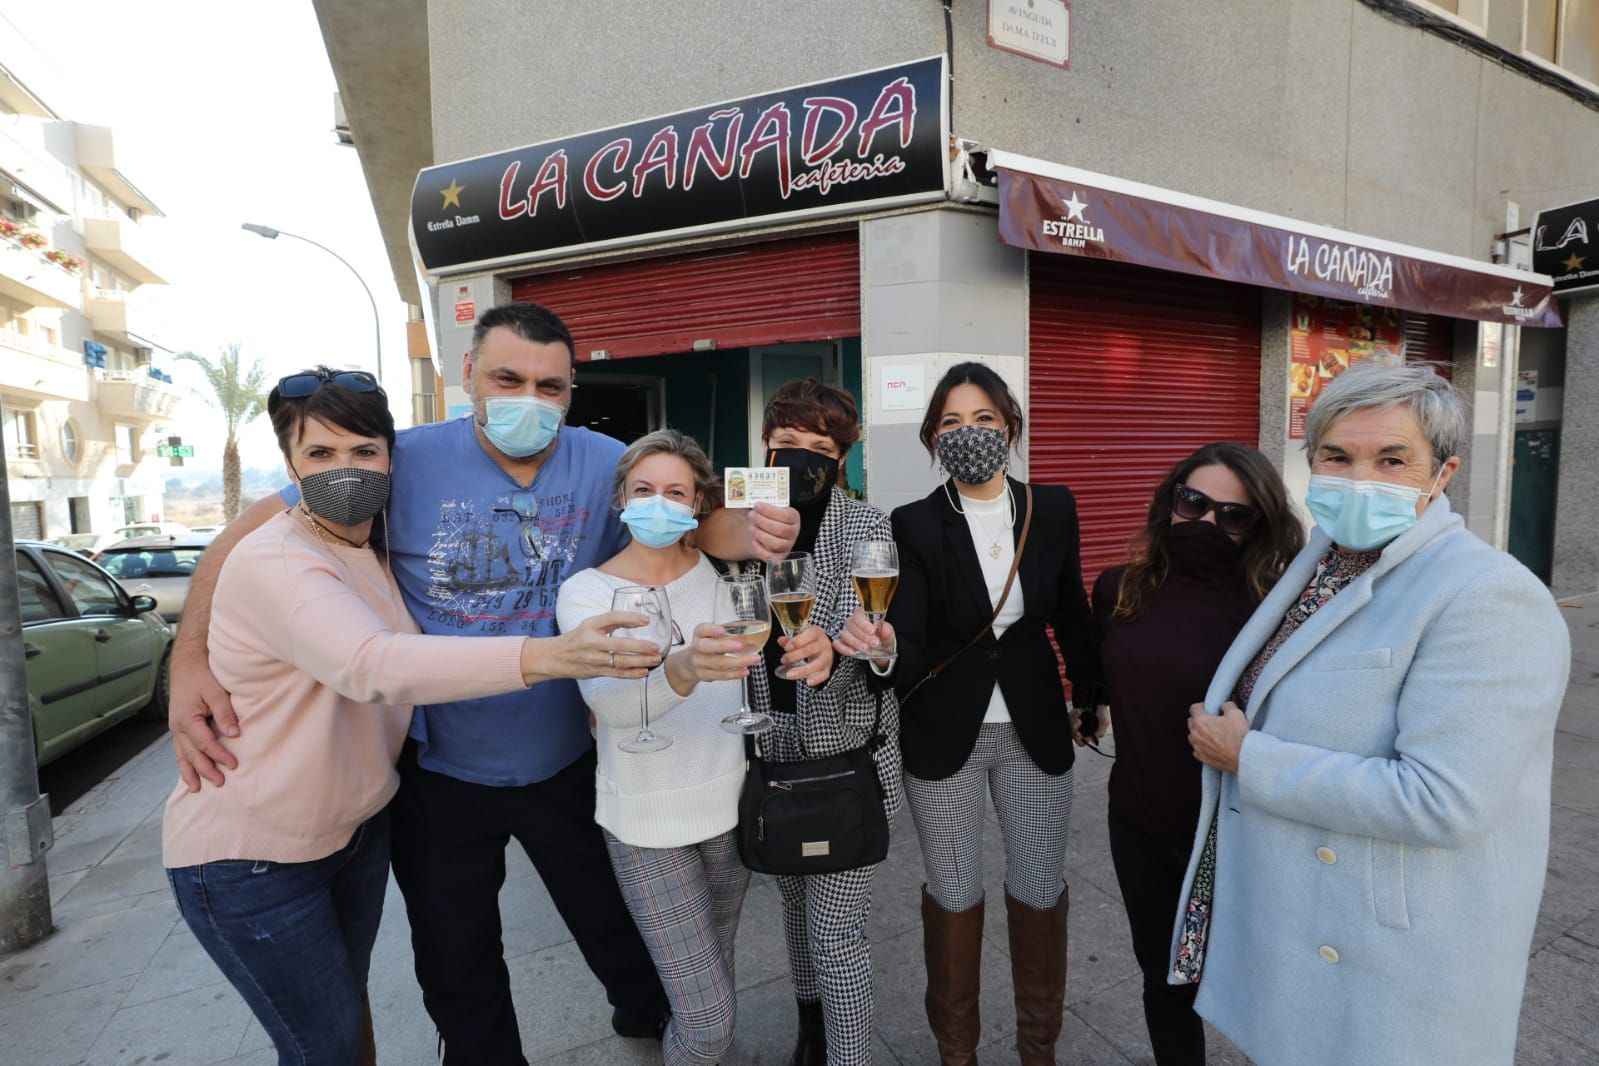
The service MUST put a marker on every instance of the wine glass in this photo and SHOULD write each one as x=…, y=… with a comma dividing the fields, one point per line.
x=743, y=611
x=791, y=586
x=874, y=570
x=649, y=601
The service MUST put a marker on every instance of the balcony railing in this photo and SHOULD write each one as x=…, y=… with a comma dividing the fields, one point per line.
x=134, y=394
x=120, y=242
x=32, y=280
x=40, y=372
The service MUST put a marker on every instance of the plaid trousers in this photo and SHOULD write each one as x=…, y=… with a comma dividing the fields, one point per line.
x=1034, y=809
x=686, y=902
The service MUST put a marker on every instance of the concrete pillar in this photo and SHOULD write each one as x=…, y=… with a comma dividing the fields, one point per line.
x=937, y=288
x=453, y=328
x=1576, y=560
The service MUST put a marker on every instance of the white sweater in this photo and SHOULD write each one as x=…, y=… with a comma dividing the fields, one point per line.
x=689, y=792
x=990, y=523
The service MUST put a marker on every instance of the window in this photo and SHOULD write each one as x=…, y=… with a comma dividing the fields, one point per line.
x=78, y=513
x=127, y=445
x=52, y=336
x=131, y=564
x=92, y=594
x=22, y=437
x=39, y=601
x=1565, y=33
x=69, y=444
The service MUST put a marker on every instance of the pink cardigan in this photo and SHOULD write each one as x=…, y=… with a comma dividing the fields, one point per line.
x=323, y=662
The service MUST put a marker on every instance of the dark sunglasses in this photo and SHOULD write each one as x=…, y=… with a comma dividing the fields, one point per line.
x=1234, y=518
x=299, y=386
x=525, y=506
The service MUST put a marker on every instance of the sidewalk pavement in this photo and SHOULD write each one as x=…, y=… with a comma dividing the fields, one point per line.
x=121, y=981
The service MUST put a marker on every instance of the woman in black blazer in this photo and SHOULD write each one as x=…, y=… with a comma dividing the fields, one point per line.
x=997, y=716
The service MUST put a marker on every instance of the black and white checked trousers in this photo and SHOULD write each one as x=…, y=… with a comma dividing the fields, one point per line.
x=686, y=902
x=1034, y=811
x=829, y=957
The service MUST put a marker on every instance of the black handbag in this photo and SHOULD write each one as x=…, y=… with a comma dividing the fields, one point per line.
x=813, y=816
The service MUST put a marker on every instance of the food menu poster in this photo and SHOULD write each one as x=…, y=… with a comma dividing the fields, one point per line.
x=1327, y=338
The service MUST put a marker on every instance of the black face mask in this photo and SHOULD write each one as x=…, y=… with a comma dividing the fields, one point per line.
x=1199, y=547
x=347, y=496
x=811, y=475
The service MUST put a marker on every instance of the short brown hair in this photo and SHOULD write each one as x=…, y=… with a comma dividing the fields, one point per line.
x=985, y=378
x=809, y=405
x=366, y=414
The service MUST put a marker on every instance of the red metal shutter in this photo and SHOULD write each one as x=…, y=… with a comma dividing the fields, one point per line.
x=1431, y=339
x=806, y=289
x=1132, y=369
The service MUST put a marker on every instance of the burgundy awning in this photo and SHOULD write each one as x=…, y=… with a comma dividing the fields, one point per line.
x=1047, y=207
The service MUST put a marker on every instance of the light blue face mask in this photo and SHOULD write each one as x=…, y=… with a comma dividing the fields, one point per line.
x=657, y=522
x=1362, y=515
x=521, y=426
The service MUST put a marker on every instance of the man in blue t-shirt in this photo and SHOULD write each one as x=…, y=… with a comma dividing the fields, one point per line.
x=488, y=514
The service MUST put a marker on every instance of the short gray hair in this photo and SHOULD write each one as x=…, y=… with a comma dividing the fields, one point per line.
x=1415, y=385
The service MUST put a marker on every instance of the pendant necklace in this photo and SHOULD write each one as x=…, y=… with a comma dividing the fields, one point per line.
x=994, y=548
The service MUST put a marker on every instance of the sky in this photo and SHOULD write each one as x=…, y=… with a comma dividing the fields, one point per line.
x=223, y=113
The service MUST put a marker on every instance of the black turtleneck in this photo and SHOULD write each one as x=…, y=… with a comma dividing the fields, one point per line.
x=811, y=514
x=1160, y=663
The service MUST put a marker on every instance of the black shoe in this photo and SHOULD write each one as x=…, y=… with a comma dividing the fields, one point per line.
x=811, y=1047
x=640, y=1027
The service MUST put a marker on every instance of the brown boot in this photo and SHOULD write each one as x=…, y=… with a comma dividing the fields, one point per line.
x=953, y=942
x=1038, y=969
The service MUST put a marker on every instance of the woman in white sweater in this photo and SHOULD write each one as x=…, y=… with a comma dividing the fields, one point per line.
x=669, y=816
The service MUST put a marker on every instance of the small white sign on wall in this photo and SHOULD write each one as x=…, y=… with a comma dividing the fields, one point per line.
x=1037, y=29
x=902, y=387
x=1526, y=396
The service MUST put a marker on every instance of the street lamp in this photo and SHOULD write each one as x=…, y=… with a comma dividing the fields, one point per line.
x=377, y=325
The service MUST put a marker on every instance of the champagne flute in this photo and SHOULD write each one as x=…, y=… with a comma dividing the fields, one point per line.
x=649, y=601
x=791, y=586
x=743, y=611
x=874, y=570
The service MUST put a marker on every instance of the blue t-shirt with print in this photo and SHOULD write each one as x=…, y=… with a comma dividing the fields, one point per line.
x=463, y=565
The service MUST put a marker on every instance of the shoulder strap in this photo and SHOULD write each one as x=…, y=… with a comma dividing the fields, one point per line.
x=1010, y=579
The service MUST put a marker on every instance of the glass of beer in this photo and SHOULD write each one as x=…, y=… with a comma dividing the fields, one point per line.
x=743, y=610
x=791, y=586
x=874, y=570
x=649, y=601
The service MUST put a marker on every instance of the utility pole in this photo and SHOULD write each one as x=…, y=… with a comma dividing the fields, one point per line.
x=25, y=831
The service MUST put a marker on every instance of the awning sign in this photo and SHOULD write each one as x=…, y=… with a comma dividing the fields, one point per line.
x=1565, y=245
x=871, y=139
x=1067, y=215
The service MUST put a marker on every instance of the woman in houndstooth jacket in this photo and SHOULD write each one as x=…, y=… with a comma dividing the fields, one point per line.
x=809, y=428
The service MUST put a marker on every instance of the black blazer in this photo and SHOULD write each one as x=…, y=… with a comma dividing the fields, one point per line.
x=942, y=602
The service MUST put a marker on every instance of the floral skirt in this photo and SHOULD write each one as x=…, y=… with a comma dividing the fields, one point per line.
x=1196, y=916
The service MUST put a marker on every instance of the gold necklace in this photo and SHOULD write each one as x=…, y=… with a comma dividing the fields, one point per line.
x=994, y=549
x=323, y=532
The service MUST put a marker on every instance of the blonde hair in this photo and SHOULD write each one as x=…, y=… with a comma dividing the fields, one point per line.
x=707, y=486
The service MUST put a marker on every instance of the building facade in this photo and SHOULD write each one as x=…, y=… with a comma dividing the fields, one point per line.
x=1164, y=224
x=84, y=398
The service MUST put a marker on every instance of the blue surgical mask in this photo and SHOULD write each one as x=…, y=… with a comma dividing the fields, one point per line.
x=521, y=426
x=657, y=522
x=1362, y=515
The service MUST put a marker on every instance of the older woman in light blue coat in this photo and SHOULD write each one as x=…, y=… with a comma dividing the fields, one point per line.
x=1378, y=745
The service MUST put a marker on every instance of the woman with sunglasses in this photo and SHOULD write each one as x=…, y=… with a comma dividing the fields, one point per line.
x=669, y=815
x=281, y=875
x=1219, y=533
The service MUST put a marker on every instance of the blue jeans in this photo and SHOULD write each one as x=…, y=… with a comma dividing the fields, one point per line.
x=295, y=939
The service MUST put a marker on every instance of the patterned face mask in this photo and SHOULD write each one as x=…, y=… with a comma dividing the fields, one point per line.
x=973, y=454
x=347, y=496
x=811, y=475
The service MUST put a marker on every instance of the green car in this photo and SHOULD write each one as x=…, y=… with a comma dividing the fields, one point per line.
x=96, y=655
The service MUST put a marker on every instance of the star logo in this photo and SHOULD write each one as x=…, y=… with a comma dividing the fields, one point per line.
x=452, y=194
x=1074, y=209
x=1575, y=262
x=1516, y=297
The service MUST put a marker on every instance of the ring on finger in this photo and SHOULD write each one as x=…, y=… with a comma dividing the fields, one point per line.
x=613, y=660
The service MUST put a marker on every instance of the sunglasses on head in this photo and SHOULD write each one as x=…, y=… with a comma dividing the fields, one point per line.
x=299, y=386
x=1234, y=518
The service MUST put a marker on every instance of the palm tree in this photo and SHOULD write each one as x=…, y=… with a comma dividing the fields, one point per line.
x=241, y=397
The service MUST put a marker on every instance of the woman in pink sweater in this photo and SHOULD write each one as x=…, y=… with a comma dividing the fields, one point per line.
x=281, y=874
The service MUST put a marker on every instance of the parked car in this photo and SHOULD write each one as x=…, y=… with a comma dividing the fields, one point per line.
x=211, y=530
x=87, y=545
x=153, y=529
x=156, y=566
x=95, y=655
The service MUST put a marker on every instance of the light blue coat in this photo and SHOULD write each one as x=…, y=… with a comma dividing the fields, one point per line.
x=1381, y=850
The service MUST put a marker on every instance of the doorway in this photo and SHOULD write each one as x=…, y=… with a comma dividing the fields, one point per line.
x=624, y=406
